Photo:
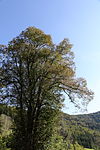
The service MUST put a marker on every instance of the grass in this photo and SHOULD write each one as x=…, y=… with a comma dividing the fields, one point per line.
x=88, y=149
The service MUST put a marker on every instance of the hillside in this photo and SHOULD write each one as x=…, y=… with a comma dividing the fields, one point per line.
x=85, y=129
x=91, y=121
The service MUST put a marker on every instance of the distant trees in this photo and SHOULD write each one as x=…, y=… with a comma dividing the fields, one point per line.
x=81, y=129
x=34, y=74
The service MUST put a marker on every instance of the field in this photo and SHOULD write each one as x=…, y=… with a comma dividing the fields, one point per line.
x=88, y=149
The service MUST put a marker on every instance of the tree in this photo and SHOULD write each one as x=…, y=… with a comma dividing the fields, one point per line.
x=34, y=74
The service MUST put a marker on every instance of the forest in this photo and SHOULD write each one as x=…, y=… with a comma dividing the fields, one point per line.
x=74, y=131
x=35, y=76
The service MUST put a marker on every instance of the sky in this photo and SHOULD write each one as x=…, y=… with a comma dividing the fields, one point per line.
x=77, y=20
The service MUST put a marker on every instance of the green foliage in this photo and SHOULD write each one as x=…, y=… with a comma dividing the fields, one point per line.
x=58, y=142
x=81, y=128
x=70, y=125
x=5, y=131
x=5, y=124
x=3, y=143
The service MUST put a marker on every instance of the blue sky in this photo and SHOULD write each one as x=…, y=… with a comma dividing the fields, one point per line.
x=78, y=20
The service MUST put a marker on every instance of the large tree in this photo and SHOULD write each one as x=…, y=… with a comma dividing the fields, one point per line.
x=34, y=75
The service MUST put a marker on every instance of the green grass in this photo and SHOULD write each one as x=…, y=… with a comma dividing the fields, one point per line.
x=88, y=149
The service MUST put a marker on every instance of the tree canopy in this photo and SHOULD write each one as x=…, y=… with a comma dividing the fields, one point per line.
x=34, y=75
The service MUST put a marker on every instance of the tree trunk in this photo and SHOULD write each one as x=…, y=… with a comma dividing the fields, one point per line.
x=29, y=139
